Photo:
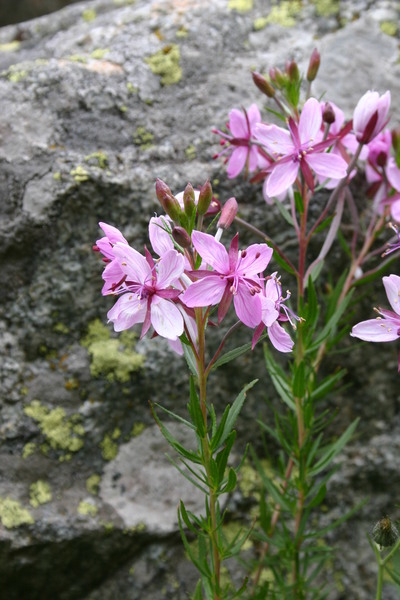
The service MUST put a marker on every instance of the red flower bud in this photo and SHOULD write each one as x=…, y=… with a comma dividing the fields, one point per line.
x=328, y=114
x=228, y=213
x=205, y=198
x=181, y=237
x=292, y=70
x=169, y=203
x=313, y=66
x=263, y=85
x=188, y=200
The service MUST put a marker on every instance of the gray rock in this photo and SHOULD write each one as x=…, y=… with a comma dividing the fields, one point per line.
x=85, y=128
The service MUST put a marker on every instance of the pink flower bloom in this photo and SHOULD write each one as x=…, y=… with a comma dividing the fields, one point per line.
x=273, y=311
x=113, y=275
x=370, y=116
x=149, y=292
x=242, y=151
x=299, y=148
x=386, y=327
x=235, y=275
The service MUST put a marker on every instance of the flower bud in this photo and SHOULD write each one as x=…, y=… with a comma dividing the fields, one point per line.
x=328, y=114
x=189, y=200
x=277, y=77
x=169, y=203
x=313, y=66
x=205, y=198
x=370, y=116
x=263, y=85
x=396, y=140
x=292, y=71
x=181, y=236
x=384, y=533
x=228, y=213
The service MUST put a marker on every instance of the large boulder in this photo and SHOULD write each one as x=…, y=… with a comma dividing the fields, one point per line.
x=97, y=101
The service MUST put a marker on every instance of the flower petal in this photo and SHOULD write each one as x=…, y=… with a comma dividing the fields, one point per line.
x=237, y=161
x=238, y=124
x=213, y=252
x=205, y=292
x=276, y=139
x=159, y=238
x=127, y=311
x=392, y=288
x=254, y=260
x=280, y=338
x=282, y=177
x=310, y=121
x=166, y=319
x=330, y=165
x=247, y=306
x=375, y=330
x=170, y=268
x=132, y=262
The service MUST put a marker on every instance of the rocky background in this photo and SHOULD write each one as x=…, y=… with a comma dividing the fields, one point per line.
x=97, y=100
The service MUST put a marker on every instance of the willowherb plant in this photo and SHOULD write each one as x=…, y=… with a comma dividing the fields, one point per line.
x=190, y=279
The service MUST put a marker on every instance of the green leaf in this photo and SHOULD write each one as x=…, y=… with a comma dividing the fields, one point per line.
x=321, y=532
x=318, y=498
x=190, y=360
x=327, y=385
x=282, y=263
x=331, y=324
x=299, y=381
x=200, y=565
x=279, y=379
x=222, y=457
x=232, y=354
x=186, y=475
x=231, y=483
x=284, y=212
x=235, y=410
x=332, y=450
x=195, y=410
x=175, y=416
x=188, y=454
x=298, y=200
x=277, y=496
x=323, y=225
x=218, y=432
x=198, y=595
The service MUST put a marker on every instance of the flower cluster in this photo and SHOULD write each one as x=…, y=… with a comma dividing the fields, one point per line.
x=193, y=270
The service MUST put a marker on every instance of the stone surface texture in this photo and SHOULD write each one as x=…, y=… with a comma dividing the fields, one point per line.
x=97, y=100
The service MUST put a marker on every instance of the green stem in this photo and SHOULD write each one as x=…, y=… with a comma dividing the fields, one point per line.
x=379, y=584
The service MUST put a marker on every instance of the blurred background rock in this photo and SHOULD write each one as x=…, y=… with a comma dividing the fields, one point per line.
x=23, y=10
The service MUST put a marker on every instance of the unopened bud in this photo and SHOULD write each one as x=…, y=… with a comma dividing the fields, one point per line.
x=169, y=203
x=277, y=77
x=189, y=200
x=385, y=533
x=263, y=85
x=396, y=140
x=328, y=114
x=313, y=66
x=292, y=70
x=205, y=198
x=228, y=213
x=181, y=236
x=381, y=159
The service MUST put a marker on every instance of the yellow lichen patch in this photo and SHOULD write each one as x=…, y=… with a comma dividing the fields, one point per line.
x=240, y=5
x=89, y=15
x=16, y=74
x=40, y=493
x=389, y=27
x=13, y=514
x=132, y=89
x=165, y=63
x=98, y=159
x=57, y=176
x=92, y=484
x=190, y=152
x=87, y=509
x=10, y=46
x=281, y=14
x=29, y=449
x=99, y=53
x=137, y=429
x=79, y=174
x=61, y=433
x=78, y=58
x=109, y=446
x=110, y=357
x=143, y=138
x=327, y=8
x=60, y=328
x=182, y=32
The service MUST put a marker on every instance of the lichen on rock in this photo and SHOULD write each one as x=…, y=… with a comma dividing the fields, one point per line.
x=13, y=514
x=40, y=493
x=165, y=63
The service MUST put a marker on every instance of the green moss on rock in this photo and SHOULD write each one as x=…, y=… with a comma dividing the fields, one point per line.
x=92, y=484
x=40, y=493
x=240, y=5
x=87, y=509
x=143, y=138
x=28, y=449
x=389, y=28
x=165, y=63
x=79, y=174
x=13, y=514
x=282, y=14
x=109, y=447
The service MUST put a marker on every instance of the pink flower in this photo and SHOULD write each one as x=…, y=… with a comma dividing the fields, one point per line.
x=273, y=311
x=299, y=148
x=370, y=116
x=386, y=327
x=148, y=292
x=242, y=151
x=234, y=275
x=113, y=275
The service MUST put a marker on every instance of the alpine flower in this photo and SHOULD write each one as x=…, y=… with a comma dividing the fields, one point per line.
x=370, y=115
x=242, y=152
x=299, y=148
x=148, y=292
x=113, y=275
x=235, y=275
x=386, y=327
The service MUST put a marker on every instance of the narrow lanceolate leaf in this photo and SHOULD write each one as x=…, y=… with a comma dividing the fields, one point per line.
x=232, y=354
x=234, y=411
x=195, y=410
x=190, y=359
x=180, y=449
x=279, y=379
x=331, y=451
x=231, y=483
x=273, y=490
x=299, y=381
x=201, y=566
